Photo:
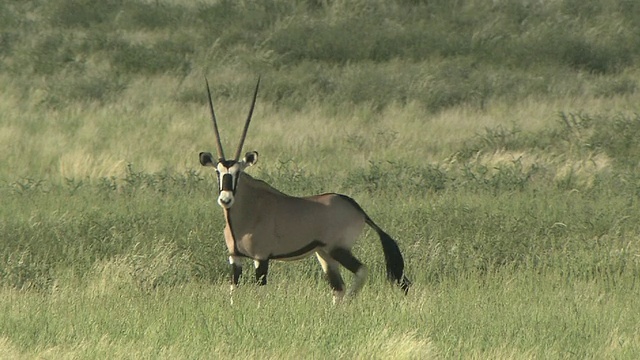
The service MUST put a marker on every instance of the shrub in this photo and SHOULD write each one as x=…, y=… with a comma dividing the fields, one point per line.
x=619, y=137
x=51, y=53
x=83, y=88
x=161, y=57
x=151, y=15
x=398, y=177
x=83, y=13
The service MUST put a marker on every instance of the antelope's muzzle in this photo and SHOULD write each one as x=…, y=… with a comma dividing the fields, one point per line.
x=226, y=196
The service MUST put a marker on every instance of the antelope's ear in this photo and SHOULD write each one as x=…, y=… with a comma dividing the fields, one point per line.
x=250, y=158
x=206, y=159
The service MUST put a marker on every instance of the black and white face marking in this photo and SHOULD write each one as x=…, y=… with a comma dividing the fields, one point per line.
x=228, y=172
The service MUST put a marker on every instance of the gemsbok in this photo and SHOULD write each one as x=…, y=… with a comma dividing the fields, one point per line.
x=265, y=224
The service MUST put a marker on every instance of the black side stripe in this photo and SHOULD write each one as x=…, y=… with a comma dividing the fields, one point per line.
x=314, y=244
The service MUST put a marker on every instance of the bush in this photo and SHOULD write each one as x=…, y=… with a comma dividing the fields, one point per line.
x=619, y=137
x=83, y=13
x=161, y=57
x=83, y=88
x=52, y=53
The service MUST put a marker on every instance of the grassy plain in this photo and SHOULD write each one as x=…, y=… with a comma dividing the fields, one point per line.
x=499, y=142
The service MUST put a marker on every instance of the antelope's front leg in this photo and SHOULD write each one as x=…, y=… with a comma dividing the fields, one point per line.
x=236, y=270
x=262, y=268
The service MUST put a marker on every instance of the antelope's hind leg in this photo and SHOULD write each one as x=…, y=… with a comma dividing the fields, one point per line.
x=331, y=269
x=346, y=259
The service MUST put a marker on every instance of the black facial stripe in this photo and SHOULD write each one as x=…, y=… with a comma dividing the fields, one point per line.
x=227, y=183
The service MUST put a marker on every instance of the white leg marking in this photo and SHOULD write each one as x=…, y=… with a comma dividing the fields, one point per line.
x=359, y=280
x=234, y=260
x=337, y=295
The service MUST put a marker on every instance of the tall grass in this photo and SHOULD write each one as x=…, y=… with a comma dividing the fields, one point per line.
x=467, y=213
x=496, y=141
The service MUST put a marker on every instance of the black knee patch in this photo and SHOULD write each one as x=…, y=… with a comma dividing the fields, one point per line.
x=335, y=280
x=346, y=259
x=261, y=272
x=236, y=272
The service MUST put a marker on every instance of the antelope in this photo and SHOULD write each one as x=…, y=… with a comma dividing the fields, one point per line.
x=264, y=224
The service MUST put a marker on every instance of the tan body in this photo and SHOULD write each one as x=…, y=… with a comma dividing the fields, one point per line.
x=266, y=224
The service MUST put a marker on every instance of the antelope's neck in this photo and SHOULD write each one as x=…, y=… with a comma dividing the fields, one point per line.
x=246, y=209
x=245, y=202
x=253, y=199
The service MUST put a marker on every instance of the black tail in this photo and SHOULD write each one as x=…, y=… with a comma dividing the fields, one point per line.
x=392, y=255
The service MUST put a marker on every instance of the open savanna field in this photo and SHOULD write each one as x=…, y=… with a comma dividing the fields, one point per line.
x=497, y=141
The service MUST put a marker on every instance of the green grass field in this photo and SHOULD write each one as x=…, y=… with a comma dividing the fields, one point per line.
x=498, y=142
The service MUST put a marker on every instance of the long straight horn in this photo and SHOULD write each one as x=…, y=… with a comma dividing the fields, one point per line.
x=246, y=124
x=215, y=124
